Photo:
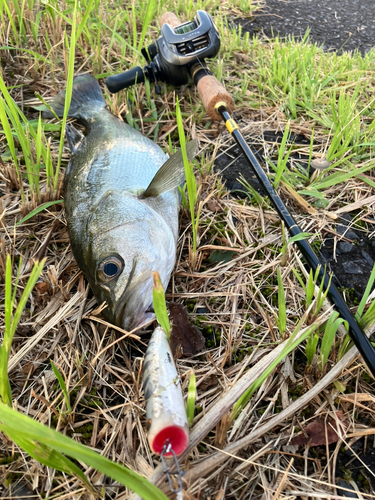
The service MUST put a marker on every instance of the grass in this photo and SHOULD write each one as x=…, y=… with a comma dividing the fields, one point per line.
x=50, y=445
x=160, y=307
x=12, y=319
x=57, y=350
x=191, y=186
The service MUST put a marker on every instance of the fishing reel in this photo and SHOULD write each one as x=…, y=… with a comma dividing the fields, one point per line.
x=177, y=54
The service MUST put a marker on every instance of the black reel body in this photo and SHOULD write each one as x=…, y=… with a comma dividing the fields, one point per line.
x=173, y=54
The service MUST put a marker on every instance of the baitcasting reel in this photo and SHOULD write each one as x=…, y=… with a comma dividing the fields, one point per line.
x=172, y=57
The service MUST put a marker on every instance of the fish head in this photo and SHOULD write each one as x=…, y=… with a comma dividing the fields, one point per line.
x=128, y=241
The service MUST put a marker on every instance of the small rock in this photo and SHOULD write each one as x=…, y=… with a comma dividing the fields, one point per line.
x=201, y=310
x=348, y=494
x=348, y=233
x=345, y=247
x=19, y=490
x=351, y=268
x=351, y=235
x=367, y=258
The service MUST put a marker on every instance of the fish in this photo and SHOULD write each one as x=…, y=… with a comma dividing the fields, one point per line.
x=122, y=205
x=167, y=423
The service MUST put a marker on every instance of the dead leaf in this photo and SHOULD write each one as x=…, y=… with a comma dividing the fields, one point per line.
x=214, y=206
x=244, y=58
x=42, y=288
x=184, y=334
x=298, y=198
x=209, y=381
x=28, y=368
x=321, y=432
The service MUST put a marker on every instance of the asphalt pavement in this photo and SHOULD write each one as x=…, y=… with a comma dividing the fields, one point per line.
x=340, y=25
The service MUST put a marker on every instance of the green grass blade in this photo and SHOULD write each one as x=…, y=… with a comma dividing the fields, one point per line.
x=62, y=386
x=190, y=179
x=35, y=431
x=148, y=17
x=329, y=336
x=5, y=390
x=340, y=177
x=160, y=308
x=282, y=157
x=299, y=237
x=11, y=21
x=366, y=294
x=35, y=273
x=37, y=210
x=281, y=321
x=82, y=24
x=12, y=322
x=289, y=346
x=310, y=348
x=68, y=92
x=191, y=396
x=44, y=454
x=8, y=133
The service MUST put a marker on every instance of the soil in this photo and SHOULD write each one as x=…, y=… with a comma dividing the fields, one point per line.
x=340, y=25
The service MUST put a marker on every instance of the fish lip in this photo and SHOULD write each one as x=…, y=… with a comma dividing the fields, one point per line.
x=132, y=312
x=147, y=316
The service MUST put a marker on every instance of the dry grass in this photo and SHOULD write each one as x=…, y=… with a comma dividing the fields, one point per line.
x=234, y=303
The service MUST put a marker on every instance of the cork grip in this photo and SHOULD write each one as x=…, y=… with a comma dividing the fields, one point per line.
x=169, y=18
x=211, y=91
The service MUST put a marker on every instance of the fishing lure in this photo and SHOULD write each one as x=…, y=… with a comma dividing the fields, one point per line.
x=167, y=422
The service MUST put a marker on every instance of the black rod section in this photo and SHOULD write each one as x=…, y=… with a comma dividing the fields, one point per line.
x=356, y=333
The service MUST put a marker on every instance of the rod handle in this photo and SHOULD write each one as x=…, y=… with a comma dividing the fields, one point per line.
x=211, y=92
x=170, y=18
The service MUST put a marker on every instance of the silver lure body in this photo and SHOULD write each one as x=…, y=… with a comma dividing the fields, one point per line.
x=165, y=408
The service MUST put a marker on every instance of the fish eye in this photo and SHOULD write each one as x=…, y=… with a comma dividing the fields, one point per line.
x=109, y=268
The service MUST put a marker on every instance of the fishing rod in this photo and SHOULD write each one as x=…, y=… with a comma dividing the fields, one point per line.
x=177, y=57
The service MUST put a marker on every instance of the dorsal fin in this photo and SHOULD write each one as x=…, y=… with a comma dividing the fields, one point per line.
x=87, y=98
x=172, y=173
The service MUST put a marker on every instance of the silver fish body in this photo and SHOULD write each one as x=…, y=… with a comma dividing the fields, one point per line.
x=118, y=238
x=165, y=409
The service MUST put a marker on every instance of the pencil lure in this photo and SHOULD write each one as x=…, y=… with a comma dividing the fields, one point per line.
x=165, y=410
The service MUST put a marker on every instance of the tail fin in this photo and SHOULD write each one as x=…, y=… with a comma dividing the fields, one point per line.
x=87, y=100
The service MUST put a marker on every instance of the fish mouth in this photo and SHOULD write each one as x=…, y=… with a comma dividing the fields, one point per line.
x=136, y=319
x=134, y=308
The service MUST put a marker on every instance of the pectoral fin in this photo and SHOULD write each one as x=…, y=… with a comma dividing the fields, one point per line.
x=172, y=173
x=74, y=137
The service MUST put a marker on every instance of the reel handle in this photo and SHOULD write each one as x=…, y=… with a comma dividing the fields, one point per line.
x=115, y=83
x=210, y=90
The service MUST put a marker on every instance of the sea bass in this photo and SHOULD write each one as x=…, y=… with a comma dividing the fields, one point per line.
x=122, y=205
